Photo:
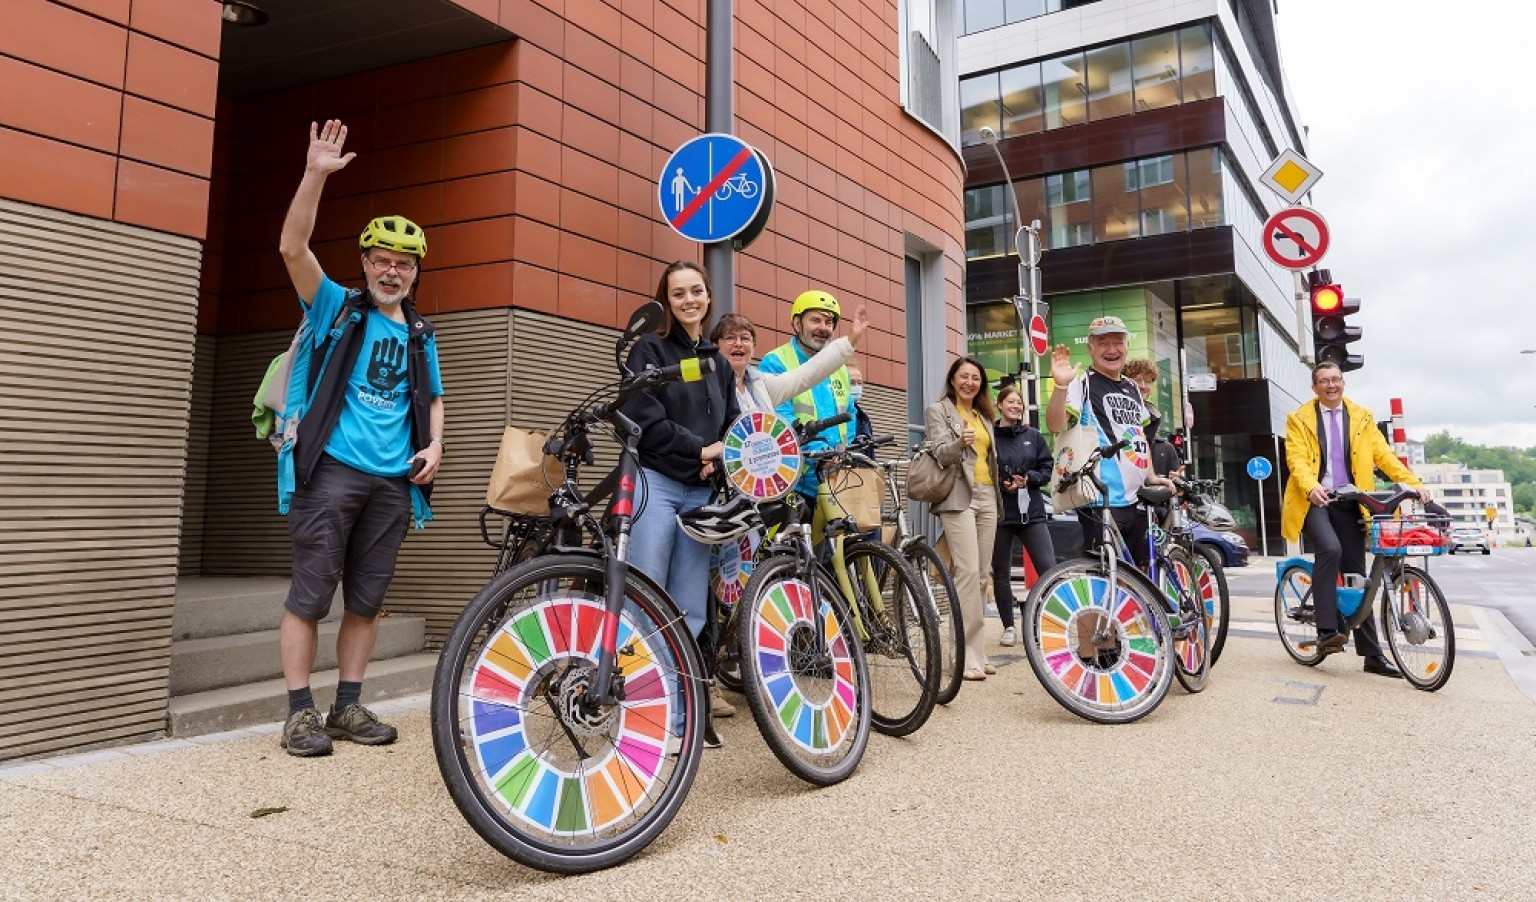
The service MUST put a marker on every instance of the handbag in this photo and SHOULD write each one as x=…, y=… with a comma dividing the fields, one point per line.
x=1071, y=449
x=927, y=479
x=858, y=492
x=523, y=476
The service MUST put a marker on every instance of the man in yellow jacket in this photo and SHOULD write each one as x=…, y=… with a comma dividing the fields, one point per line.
x=1332, y=442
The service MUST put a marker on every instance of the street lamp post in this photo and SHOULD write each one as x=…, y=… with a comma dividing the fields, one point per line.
x=1026, y=244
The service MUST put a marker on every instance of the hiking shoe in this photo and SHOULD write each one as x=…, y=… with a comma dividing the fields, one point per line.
x=359, y=725
x=303, y=736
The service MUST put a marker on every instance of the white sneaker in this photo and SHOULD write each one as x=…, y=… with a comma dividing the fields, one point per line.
x=1009, y=638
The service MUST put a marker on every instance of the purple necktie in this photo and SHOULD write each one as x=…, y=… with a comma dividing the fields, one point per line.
x=1337, y=464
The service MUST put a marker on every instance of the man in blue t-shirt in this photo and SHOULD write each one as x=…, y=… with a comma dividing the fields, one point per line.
x=368, y=448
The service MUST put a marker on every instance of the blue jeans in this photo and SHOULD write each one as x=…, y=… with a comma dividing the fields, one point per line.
x=658, y=545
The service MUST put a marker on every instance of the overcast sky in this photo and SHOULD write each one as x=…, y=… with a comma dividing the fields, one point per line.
x=1423, y=120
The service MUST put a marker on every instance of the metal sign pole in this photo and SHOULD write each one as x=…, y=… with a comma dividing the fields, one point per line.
x=1263, y=525
x=720, y=116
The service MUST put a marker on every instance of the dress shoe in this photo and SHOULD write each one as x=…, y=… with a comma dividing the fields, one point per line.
x=1330, y=642
x=1382, y=667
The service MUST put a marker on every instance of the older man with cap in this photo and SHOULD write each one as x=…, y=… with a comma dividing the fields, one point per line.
x=1104, y=398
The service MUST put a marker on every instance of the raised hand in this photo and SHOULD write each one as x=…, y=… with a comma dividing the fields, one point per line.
x=1063, y=370
x=860, y=323
x=325, y=145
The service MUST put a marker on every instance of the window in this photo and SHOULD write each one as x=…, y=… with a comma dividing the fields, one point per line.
x=1197, y=63
x=978, y=107
x=1163, y=206
x=1205, y=201
x=986, y=222
x=1023, y=106
x=982, y=14
x=928, y=76
x=1155, y=71
x=1109, y=82
x=1071, y=215
x=1066, y=91
x=1115, y=211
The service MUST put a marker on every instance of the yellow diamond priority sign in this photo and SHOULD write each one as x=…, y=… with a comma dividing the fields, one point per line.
x=1291, y=176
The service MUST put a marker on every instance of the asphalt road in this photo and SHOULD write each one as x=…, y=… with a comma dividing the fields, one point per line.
x=1504, y=579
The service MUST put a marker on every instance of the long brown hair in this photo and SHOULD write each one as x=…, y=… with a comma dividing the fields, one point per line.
x=665, y=328
x=983, y=402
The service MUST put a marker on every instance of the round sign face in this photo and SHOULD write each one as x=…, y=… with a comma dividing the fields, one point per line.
x=1039, y=338
x=1259, y=468
x=730, y=566
x=762, y=456
x=712, y=187
x=1296, y=238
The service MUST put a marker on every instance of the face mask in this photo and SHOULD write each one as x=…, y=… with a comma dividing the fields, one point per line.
x=855, y=392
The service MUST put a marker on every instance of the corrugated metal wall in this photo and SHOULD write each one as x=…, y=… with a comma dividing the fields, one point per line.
x=96, y=363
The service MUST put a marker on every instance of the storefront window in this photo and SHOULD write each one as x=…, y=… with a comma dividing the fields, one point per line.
x=1023, y=107
x=1155, y=70
x=1109, y=82
x=1066, y=91
x=978, y=107
x=1220, y=330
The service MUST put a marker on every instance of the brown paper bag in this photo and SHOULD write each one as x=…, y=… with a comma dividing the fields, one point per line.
x=522, y=478
x=858, y=493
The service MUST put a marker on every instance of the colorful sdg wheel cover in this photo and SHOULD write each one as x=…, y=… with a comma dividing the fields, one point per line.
x=1189, y=652
x=816, y=721
x=762, y=456
x=730, y=567
x=508, y=725
x=1132, y=674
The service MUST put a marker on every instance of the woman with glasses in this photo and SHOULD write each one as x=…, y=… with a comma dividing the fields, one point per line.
x=756, y=390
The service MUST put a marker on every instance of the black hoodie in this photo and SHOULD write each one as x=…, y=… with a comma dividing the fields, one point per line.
x=1021, y=451
x=678, y=420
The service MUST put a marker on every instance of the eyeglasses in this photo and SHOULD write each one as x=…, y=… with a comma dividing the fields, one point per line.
x=743, y=338
x=382, y=266
x=1334, y=381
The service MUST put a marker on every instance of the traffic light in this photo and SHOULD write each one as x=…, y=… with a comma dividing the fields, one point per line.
x=1330, y=333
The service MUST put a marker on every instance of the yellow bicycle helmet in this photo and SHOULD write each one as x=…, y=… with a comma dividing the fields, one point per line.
x=394, y=233
x=815, y=300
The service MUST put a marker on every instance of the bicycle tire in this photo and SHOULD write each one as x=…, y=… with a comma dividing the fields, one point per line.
x=902, y=644
x=936, y=579
x=1192, y=652
x=1294, y=615
x=814, y=715
x=520, y=775
x=1211, y=581
x=1424, y=664
x=1133, y=680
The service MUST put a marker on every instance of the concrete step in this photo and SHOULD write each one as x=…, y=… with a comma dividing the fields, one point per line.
x=223, y=606
x=235, y=707
x=198, y=665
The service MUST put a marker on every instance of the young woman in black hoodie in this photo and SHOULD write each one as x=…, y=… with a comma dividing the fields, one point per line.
x=682, y=426
x=1025, y=463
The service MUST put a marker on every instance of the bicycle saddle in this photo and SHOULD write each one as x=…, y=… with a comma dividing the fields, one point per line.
x=1155, y=495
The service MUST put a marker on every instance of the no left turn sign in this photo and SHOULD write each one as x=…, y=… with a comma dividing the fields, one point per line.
x=1296, y=238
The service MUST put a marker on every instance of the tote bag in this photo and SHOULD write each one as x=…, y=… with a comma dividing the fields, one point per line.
x=521, y=480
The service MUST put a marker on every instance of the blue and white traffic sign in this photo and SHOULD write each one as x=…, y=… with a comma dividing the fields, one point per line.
x=1259, y=468
x=712, y=187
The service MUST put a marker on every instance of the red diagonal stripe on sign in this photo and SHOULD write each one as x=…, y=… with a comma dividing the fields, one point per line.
x=709, y=190
x=1291, y=234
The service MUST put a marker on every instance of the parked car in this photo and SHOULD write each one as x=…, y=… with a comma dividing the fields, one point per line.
x=1231, y=546
x=1469, y=538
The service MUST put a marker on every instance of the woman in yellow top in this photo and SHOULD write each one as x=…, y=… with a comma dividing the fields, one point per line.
x=960, y=431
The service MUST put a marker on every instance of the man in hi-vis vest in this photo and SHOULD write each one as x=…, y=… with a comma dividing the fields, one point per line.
x=813, y=319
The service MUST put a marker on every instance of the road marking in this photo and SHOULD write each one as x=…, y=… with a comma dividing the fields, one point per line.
x=1308, y=693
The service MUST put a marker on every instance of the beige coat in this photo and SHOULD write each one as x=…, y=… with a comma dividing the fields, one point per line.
x=944, y=425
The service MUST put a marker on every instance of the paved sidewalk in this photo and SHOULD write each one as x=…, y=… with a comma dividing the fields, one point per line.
x=1278, y=782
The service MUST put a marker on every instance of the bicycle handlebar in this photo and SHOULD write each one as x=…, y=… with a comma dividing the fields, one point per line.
x=1092, y=464
x=806, y=430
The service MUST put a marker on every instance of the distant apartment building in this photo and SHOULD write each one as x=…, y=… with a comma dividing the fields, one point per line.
x=1470, y=494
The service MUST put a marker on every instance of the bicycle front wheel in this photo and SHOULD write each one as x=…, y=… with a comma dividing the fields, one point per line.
x=1191, y=643
x=1213, y=594
x=544, y=778
x=1416, y=621
x=1102, y=651
x=936, y=580
x=1295, y=615
x=900, y=632
x=808, y=690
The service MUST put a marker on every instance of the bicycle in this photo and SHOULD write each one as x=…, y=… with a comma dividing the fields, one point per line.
x=802, y=668
x=1198, y=497
x=738, y=183
x=892, y=610
x=1415, y=617
x=567, y=705
x=1096, y=634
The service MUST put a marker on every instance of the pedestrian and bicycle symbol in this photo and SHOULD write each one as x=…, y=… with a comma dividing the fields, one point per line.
x=1259, y=468
x=713, y=187
x=1296, y=237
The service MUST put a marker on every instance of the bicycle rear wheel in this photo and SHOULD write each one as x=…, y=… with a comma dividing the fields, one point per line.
x=1192, y=638
x=935, y=578
x=1416, y=621
x=544, y=780
x=809, y=694
x=1294, y=615
x=1211, y=589
x=1117, y=679
x=900, y=633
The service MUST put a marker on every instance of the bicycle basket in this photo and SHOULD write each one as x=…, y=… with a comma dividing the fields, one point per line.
x=1415, y=536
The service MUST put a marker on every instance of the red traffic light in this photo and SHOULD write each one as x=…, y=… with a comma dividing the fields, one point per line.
x=1327, y=299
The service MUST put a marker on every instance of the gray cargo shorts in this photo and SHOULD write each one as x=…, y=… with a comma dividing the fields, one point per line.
x=347, y=527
